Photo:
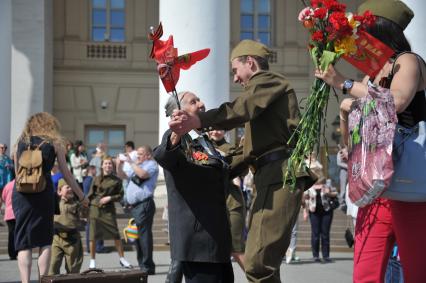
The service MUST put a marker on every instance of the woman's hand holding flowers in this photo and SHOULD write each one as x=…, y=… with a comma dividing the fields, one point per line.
x=331, y=76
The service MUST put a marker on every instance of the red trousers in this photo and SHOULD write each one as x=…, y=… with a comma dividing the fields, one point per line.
x=378, y=226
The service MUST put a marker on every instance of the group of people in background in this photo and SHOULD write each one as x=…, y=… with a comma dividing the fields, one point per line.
x=78, y=190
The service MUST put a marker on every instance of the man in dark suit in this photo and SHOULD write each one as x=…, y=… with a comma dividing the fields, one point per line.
x=196, y=180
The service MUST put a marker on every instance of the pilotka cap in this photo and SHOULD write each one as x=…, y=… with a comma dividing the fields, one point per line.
x=393, y=10
x=249, y=47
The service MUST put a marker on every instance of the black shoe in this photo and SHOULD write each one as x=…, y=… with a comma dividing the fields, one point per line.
x=317, y=259
x=327, y=260
x=103, y=251
x=149, y=272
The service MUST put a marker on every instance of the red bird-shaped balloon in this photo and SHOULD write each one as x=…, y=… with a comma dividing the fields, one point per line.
x=168, y=61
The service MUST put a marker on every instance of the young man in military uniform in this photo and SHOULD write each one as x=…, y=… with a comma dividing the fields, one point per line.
x=67, y=240
x=269, y=109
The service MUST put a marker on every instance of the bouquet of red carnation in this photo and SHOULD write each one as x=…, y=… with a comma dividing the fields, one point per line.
x=333, y=33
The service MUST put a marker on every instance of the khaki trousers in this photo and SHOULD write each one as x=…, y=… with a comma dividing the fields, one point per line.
x=71, y=249
x=274, y=212
x=237, y=215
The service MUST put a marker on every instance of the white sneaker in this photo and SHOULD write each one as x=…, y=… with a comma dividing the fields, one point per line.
x=92, y=263
x=289, y=256
x=124, y=263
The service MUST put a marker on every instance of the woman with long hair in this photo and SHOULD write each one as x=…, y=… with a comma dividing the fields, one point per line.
x=384, y=221
x=34, y=212
x=79, y=162
x=105, y=190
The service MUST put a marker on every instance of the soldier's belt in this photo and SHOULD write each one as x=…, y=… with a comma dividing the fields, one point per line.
x=269, y=157
x=66, y=234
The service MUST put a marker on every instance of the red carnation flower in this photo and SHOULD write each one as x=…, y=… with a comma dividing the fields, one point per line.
x=316, y=3
x=358, y=18
x=369, y=19
x=340, y=23
x=320, y=13
x=317, y=36
x=333, y=5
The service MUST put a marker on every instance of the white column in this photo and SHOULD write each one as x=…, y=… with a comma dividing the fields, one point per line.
x=5, y=65
x=415, y=32
x=32, y=61
x=195, y=25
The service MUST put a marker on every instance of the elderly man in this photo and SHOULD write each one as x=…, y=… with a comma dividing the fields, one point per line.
x=139, y=194
x=269, y=109
x=196, y=180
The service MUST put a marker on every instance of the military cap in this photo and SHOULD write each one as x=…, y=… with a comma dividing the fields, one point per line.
x=393, y=10
x=250, y=47
x=61, y=183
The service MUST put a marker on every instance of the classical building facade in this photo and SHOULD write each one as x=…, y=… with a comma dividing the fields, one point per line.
x=87, y=61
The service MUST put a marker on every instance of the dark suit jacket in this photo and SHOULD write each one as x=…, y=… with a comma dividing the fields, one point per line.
x=198, y=223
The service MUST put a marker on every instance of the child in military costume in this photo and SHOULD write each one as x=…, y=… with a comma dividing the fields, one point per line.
x=105, y=190
x=67, y=239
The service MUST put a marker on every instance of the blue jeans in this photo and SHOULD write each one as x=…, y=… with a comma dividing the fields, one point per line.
x=143, y=213
x=320, y=225
x=394, y=271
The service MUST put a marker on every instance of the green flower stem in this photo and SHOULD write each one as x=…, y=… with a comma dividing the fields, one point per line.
x=308, y=131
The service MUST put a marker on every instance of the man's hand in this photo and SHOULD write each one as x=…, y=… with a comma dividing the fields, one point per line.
x=174, y=139
x=85, y=202
x=182, y=122
x=104, y=200
x=344, y=154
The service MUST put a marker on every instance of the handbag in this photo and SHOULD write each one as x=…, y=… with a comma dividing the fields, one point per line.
x=409, y=156
x=349, y=237
x=333, y=202
x=131, y=232
x=372, y=124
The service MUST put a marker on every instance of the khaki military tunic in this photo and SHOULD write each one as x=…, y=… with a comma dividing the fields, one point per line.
x=234, y=203
x=103, y=220
x=67, y=241
x=269, y=109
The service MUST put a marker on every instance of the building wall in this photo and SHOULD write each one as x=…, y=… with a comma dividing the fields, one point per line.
x=84, y=82
x=129, y=85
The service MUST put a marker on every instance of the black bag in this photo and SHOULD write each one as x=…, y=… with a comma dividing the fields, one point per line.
x=349, y=237
x=333, y=202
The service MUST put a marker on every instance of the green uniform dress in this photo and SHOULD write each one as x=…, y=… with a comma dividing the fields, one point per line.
x=234, y=203
x=269, y=109
x=103, y=220
x=67, y=240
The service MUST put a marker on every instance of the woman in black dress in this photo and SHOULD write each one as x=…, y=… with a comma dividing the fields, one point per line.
x=34, y=212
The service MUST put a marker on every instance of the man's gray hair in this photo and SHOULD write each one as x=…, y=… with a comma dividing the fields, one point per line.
x=171, y=103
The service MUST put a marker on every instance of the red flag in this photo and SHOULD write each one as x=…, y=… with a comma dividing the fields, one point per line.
x=168, y=61
x=371, y=56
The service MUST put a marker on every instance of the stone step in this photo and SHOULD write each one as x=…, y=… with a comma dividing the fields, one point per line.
x=337, y=240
